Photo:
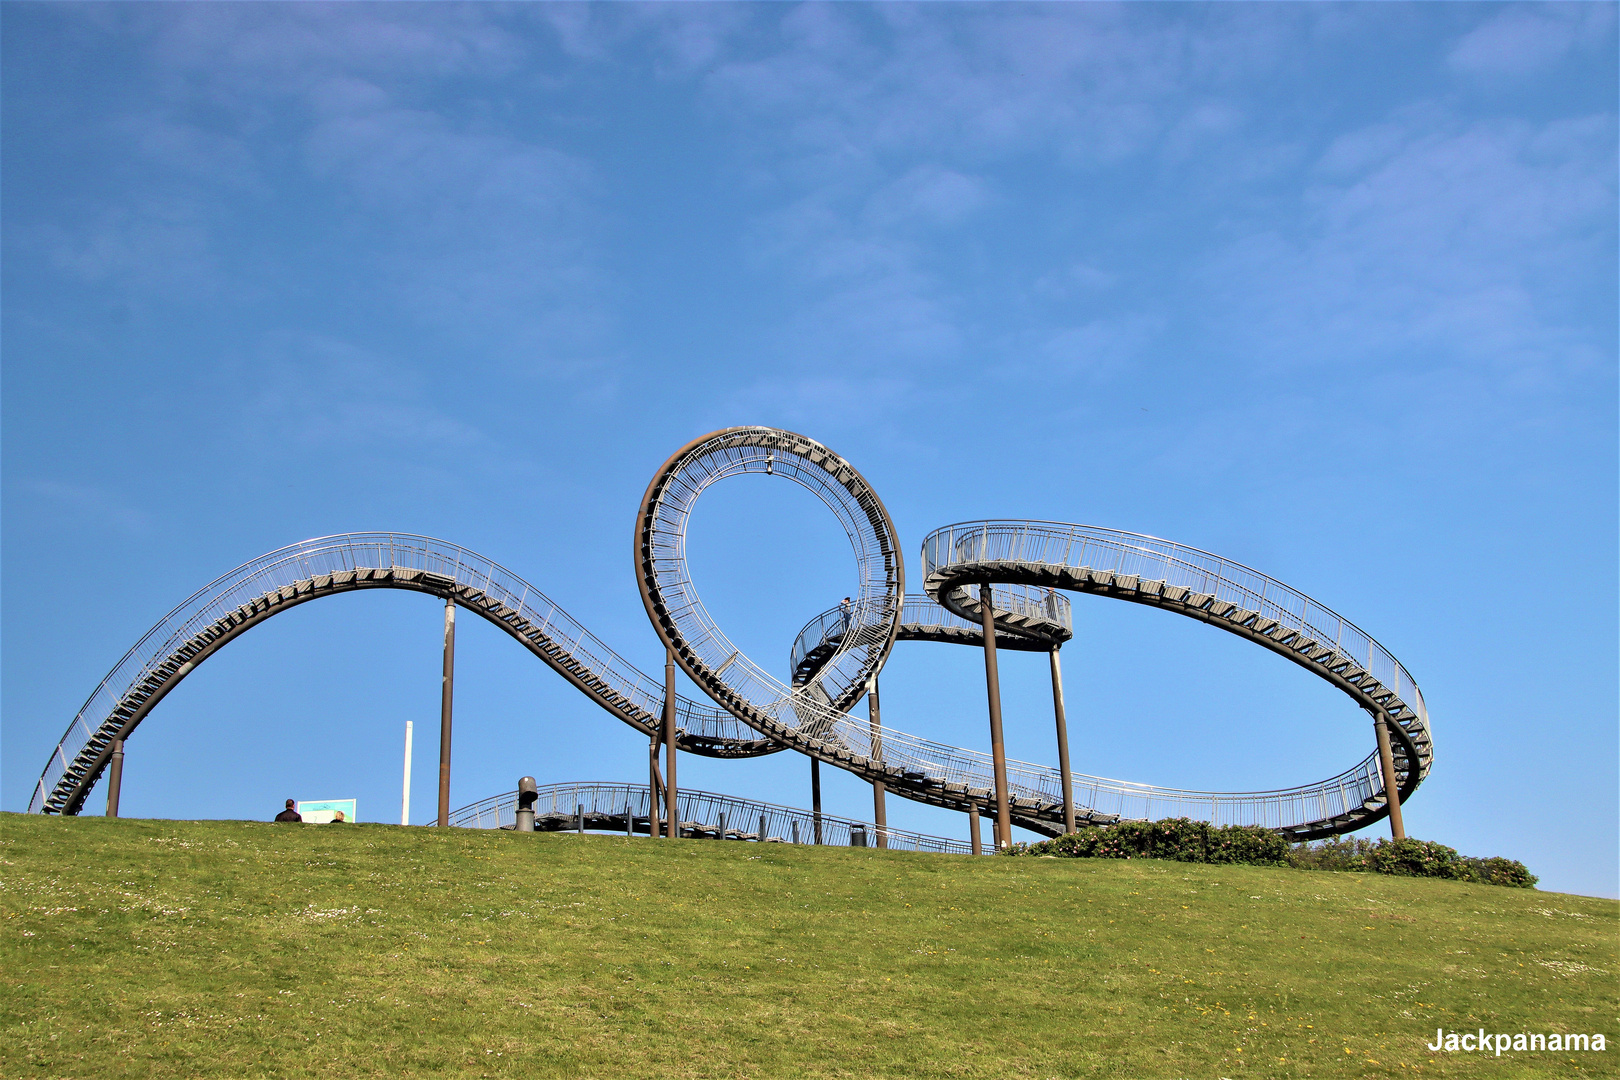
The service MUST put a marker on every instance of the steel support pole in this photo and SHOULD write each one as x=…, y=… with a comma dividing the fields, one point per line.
x=998, y=749
x=655, y=823
x=447, y=696
x=115, y=777
x=1063, y=744
x=815, y=796
x=671, y=813
x=879, y=814
x=974, y=837
x=1392, y=791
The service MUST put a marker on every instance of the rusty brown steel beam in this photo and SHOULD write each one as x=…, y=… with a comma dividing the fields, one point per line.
x=998, y=748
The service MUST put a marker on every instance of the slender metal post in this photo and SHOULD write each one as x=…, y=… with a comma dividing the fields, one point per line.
x=671, y=813
x=115, y=778
x=446, y=698
x=874, y=721
x=998, y=749
x=579, y=817
x=405, y=786
x=1386, y=762
x=655, y=787
x=815, y=796
x=974, y=837
x=1063, y=744
x=762, y=828
x=720, y=831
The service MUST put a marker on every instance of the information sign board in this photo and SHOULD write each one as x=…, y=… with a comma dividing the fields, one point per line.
x=326, y=811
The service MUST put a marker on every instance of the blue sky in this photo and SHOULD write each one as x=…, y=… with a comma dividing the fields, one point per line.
x=1329, y=290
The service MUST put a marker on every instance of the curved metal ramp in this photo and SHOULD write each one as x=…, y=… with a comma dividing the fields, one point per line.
x=257, y=590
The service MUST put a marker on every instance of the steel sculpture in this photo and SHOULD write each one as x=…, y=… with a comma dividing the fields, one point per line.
x=1023, y=568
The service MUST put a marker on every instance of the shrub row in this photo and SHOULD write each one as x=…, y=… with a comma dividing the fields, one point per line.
x=1410, y=858
x=1185, y=840
x=1181, y=839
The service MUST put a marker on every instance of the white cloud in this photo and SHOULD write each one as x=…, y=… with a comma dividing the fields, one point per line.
x=820, y=403
x=1456, y=241
x=314, y=394
x=91, y=506
x=927, y=194
x=1527, y=39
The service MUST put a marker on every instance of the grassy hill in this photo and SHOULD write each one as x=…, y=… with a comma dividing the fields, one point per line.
x=230, y=949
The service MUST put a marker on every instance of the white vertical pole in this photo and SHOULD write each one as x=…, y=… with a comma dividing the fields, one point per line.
x=405, y=797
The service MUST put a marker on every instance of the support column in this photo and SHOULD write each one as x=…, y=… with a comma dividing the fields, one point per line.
x=1386, y=762
x=815, y=796
x=655, y=790
x=1063, y=744
x=447, y=696
x=975, y=838
x=998, y=749
x=879, y=814
x=672, y=815
x=115, y=777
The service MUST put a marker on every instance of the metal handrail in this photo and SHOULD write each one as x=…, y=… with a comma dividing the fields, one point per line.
x=920, y=612
x=700, y=813
x=1149, y=557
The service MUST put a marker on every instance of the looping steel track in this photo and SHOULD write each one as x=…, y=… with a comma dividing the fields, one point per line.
x=836, y=656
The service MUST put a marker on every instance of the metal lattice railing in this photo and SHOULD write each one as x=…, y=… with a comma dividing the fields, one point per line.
x=701, y=814
x=922, y=613
x=1083, y=547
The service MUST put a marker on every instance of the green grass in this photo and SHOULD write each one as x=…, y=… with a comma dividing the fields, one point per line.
x=230, y=949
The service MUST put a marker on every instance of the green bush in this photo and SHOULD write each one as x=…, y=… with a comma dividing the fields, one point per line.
x=1497, y=871
x=1181, y=839
x=1409, y=858
x=1185, y=840
x=1413, y=858
x=1250, y=844
x=1338, y=853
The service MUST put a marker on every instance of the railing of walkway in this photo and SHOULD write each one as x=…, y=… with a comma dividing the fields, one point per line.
x=606, y=804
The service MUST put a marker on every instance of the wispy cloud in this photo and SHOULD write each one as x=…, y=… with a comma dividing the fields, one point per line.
x=1529, y=38
x=91, y=507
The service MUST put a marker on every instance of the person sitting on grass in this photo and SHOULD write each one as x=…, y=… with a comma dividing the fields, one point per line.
x=289, y=814
x=338, y=818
